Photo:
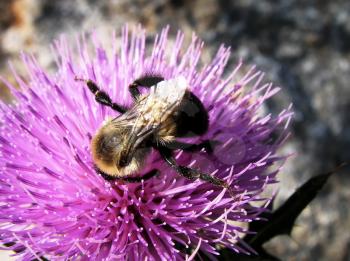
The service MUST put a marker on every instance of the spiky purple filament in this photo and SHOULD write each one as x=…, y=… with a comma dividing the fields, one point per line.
x=54, y=204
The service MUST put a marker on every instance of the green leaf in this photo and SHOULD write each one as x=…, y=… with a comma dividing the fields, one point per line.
x=281, y=222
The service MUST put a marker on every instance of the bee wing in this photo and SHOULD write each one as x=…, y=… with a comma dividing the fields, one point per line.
x=150, y=112
x=163, y=98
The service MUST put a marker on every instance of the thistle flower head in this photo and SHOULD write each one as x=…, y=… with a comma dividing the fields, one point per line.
x=54, y=204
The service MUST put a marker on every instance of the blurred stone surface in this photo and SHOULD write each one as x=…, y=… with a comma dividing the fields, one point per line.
x=303, y=46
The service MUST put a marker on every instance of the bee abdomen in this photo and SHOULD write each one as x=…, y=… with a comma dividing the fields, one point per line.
x=191, y=118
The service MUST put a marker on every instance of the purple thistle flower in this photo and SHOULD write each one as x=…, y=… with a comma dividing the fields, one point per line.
x=54, y=204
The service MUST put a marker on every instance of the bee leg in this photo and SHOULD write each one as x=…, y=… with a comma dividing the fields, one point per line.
x=101, y=96
x=192, y=174
x=208, y=145
x=144, y=81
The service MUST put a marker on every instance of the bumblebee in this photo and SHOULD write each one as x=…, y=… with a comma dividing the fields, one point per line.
x=168, y=111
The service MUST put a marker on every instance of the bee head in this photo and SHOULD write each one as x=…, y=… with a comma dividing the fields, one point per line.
x=114, y=150
x=107, y=145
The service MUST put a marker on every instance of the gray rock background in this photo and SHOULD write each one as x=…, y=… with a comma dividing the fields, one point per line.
x=303, y=46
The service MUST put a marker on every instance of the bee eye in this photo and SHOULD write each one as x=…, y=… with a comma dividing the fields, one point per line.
x=123, y=162
x=109, y=143
x=114, y=141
